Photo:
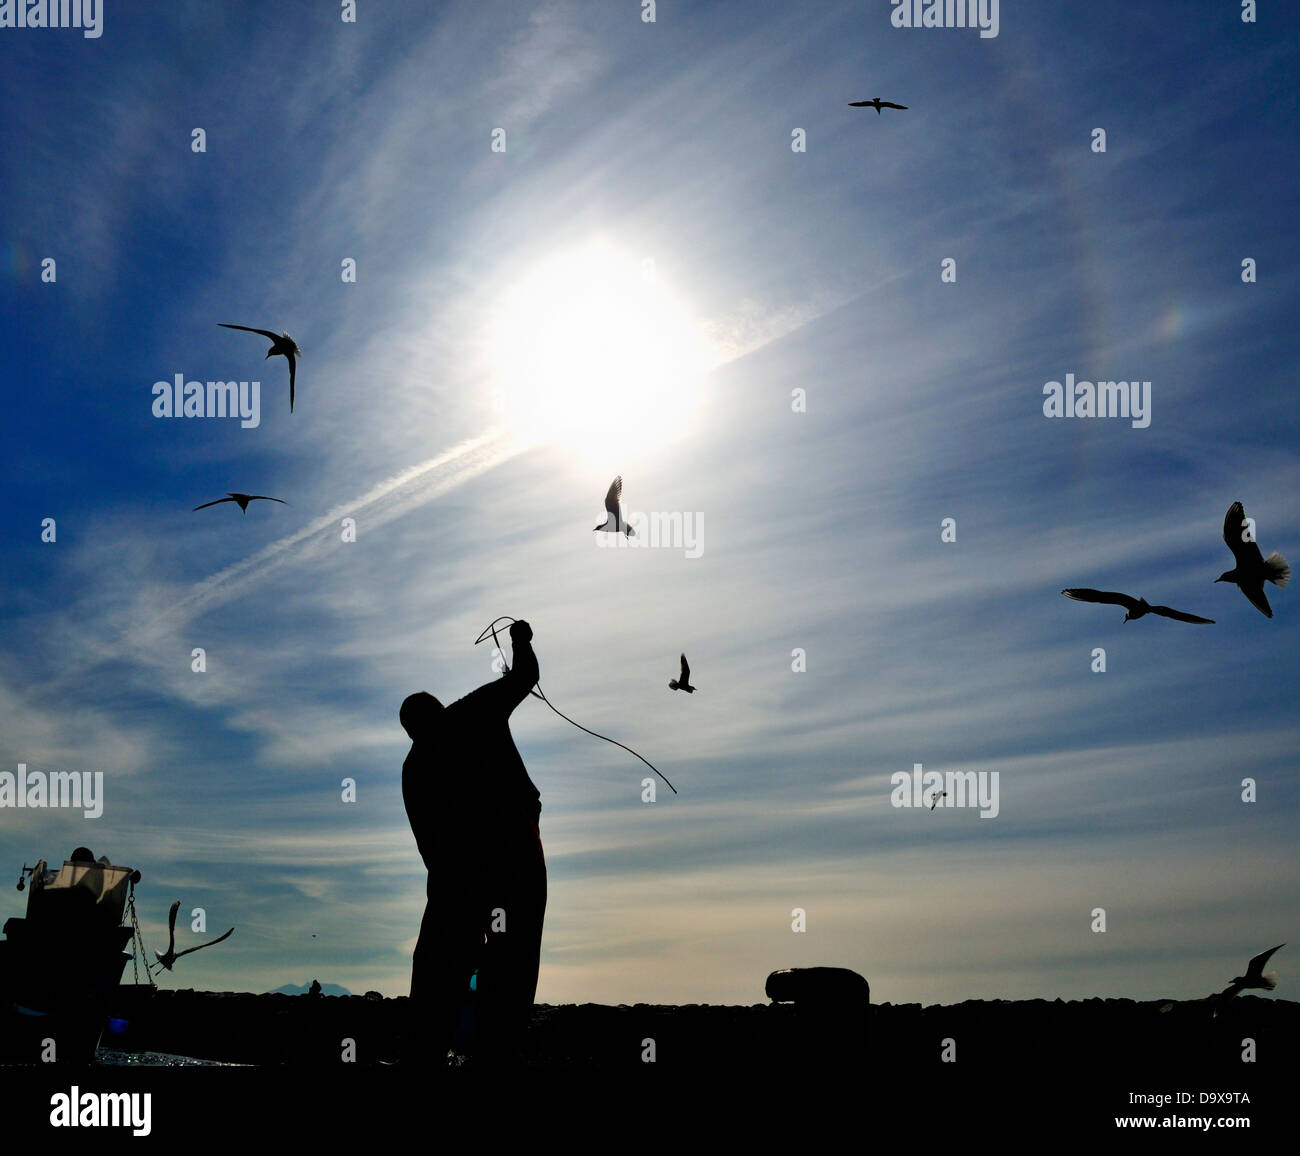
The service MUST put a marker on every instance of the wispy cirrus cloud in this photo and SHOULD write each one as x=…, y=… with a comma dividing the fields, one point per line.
x=816, y=271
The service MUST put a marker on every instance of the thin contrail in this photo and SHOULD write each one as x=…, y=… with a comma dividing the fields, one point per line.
x=385, y=501
x=391, y=499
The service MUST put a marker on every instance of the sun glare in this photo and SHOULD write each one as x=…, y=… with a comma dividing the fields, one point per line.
x=591, y=346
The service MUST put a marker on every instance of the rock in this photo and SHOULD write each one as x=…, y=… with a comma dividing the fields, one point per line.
x=818, y=985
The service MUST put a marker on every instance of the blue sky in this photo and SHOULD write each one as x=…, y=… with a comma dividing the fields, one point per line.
x=777, y=271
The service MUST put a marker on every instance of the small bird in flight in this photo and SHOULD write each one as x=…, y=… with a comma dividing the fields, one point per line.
x=1254, y=976
x=683, y=681
x=171, y=955
x=614, y=523
x=1252, y=569
x=934, y=799
x=242, y=499
x=877, y=104
x=1136, y=607
x=282, y=345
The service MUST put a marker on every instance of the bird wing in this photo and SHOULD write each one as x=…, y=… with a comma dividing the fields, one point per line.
x=1258, y=598
x=686, y=670
x=615, y=495
x=201, y=946
x=265, y=498
x=216, y=503
x=1165, y=612
x=247, y=329
x=861, y=104
x=293, y=367
x=1112, y=597
x=171, y=927
x=891, y=104
x=1246, y=553
x=1255, y=969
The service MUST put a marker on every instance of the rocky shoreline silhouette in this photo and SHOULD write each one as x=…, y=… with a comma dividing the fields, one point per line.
x=1173, y=1039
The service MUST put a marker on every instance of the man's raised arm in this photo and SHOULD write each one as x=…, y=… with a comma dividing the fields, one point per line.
x=523, y=675
x=507, y=692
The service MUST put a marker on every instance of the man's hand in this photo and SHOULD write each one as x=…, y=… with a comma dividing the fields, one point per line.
x=521, y=632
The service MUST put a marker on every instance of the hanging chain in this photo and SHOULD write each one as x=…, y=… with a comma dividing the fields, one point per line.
x=137, y=953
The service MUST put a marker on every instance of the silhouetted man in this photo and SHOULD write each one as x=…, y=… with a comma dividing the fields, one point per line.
x=474, y=813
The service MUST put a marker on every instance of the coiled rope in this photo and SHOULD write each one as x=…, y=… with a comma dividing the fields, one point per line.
x=538, y=693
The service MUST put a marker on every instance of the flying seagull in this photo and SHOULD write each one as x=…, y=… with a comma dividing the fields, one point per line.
x=1254, y=976
x=282, y=345
x=613, y=523
x=171, y=955
x=683, y=682
x=1136, y=607
x=242, y=499
x=1252, y=569
x=877, y=104
x=934, y=799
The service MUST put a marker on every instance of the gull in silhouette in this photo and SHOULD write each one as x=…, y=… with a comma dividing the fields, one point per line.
x=242, y=499
x=1136, y=607
x=614, y=523
x=1254, y=977
x=1252, y=569
x=683, y=681
x=171, y=955
x=934, y=799
x=877, y=104
x=282, y=345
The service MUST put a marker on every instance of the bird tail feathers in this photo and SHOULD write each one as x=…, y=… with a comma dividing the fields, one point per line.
x=1278, y=569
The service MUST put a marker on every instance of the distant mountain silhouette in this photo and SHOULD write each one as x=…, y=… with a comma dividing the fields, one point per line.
x=302, y=989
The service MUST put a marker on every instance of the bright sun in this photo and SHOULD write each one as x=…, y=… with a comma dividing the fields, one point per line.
x=590, y=346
